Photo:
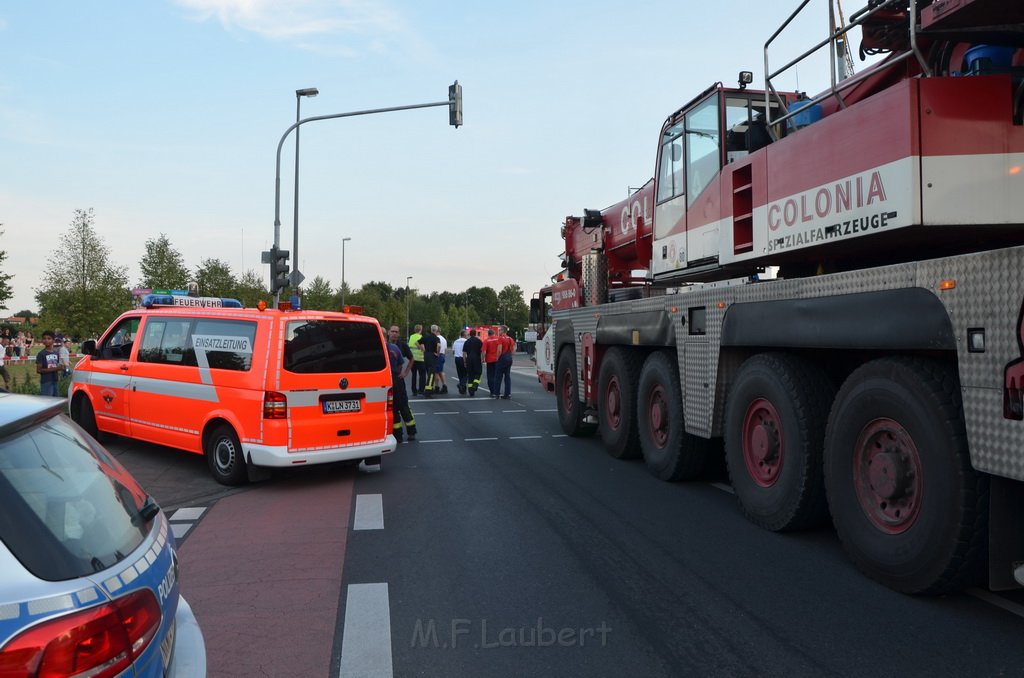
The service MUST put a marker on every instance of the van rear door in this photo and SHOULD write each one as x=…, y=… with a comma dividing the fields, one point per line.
x=336, y=378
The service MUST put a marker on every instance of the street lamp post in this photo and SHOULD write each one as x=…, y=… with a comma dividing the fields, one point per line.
x=343, y=241
x=407, y=279
x=454, y=104
x=299, y=93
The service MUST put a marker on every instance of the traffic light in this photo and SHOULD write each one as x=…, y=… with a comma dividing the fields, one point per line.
x=455, y=104
x=278, y=269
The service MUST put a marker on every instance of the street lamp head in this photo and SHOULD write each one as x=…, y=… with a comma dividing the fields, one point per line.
x=308, y=92
x=344, y=240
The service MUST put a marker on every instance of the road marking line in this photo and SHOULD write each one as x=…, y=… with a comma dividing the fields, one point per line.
x=723, y=487
x=366, y=644
x=180, y=529
x=522, y=437
x=551, y=410
x=446, y=440
x=993, y=599
x=473, y=440
x=369, y=512
x=480, y=412
x=507, y=411
x=445, y=412
x=559, y=435
x=192, y=513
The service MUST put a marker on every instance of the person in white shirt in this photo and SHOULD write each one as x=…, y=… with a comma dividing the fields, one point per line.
x=460, y=360
x=440, y=383
x=64, y=355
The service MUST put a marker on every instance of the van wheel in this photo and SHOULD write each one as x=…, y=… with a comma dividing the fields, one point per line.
x=224, y=456
x=83, y=415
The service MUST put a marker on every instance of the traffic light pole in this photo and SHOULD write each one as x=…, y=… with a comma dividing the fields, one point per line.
x=454, y=104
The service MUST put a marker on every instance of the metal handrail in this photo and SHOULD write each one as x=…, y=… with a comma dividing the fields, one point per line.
x=836, y=88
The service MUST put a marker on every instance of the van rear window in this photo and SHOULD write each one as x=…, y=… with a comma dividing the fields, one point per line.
x=321, y=346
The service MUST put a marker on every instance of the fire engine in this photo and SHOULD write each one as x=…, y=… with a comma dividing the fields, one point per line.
x=828, y=289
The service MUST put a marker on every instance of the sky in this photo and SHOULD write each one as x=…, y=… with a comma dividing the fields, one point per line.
x=165, y=116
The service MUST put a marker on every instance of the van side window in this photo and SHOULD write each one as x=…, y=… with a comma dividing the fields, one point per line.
x=117, y=345
x=223, y=344
x=325, y=346
x=165, y=340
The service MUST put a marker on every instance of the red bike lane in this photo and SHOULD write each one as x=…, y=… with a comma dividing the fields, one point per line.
x=262, y=571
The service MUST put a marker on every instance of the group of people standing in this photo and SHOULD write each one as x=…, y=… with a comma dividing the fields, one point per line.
x=423, y=356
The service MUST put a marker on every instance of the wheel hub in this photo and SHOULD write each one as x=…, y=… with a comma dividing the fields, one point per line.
x=762, y=442
x=659, y=418
x=888, y=476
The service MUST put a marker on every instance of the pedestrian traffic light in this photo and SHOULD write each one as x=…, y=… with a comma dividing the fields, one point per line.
x=278, y=269
x=455, y=104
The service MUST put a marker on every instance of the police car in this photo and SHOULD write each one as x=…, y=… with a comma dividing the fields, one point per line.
x=88, y=573
x=247, y=387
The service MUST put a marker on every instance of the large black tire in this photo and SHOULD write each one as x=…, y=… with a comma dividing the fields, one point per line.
x=83, y=414
x=909, y=509
x=616, y=403
x=224, y=456
x=567, y=389
x=775, y=416
x=669, y=451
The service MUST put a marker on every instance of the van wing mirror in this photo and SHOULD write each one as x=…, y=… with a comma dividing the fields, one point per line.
x=89, y=347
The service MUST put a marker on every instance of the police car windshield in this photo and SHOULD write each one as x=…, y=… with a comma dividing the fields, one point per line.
x=67, y=509
x=329, y=346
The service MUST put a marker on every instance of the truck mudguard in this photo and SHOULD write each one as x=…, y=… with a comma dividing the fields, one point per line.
x=904, y=319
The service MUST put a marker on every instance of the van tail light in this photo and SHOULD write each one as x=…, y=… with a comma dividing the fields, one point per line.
x=97, y=642
x=391, y=409
x=275, y=405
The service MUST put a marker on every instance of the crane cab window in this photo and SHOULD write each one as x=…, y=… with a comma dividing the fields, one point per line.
x=670, y=172
x=703, y=150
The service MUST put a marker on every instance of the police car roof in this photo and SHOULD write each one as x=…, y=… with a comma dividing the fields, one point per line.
x=19, y=411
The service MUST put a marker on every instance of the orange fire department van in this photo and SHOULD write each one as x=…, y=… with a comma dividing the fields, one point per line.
x=246, y=387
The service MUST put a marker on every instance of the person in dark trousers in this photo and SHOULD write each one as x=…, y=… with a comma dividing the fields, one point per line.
x=460, y=361
x=472, y=353
x=419, y=373
x=492, y=347
x=430, y=345
x=401, y=364
x=503, y=366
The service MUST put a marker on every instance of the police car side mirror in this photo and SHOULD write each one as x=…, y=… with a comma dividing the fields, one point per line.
x=89, y=347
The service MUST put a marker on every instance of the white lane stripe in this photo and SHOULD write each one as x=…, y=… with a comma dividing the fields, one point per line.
x=474, y=440
x=179, y=530
x=480, y=412
x=508, y=411
x=192, y=513
x=998, y=601
x=723, y=487
x=445, y=412
x=522, y=437
x=560, y=435
x=366, y=645
x=552, y=410
x=445, y=440
x=369, y=512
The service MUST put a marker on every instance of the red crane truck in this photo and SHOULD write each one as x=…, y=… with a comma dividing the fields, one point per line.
x=834, y=288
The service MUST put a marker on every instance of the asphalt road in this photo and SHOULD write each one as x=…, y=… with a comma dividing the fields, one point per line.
x=496, y=546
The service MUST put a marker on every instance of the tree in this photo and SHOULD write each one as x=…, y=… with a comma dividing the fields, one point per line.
x=162, y=266
x=319, y=296
x=5, y=280
x=251, y=289
x=515, y=312
x=84, y=292
x=215, y=278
